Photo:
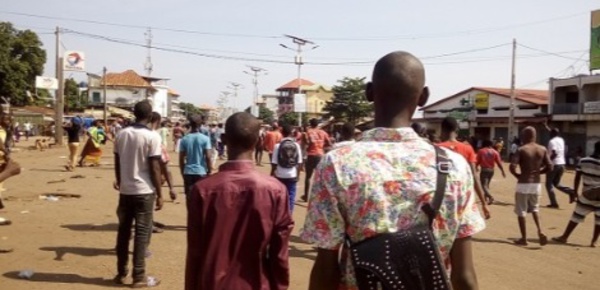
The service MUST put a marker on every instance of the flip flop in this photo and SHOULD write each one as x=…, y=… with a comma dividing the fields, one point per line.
x=543, y=240
x=521, y=242
x=559, y=240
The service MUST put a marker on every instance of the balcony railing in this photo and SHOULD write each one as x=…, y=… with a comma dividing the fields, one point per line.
x=565, y=109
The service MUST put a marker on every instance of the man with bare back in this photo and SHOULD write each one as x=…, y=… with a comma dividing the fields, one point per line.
x=533, y=161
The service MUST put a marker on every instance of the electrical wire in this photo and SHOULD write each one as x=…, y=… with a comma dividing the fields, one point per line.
x=547, y=52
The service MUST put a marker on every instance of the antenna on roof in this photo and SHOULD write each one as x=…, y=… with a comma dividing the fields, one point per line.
x=148, y=64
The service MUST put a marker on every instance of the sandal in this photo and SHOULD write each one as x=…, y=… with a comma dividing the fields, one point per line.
x=543, y=240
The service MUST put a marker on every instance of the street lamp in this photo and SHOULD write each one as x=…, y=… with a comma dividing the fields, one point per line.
x=256, y=71
x=298, y=61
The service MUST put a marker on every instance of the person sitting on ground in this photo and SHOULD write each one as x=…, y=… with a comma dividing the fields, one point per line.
x=588, y=171
x=379, y=184
x=449, y=140
x=533, y=161
x=239, y=222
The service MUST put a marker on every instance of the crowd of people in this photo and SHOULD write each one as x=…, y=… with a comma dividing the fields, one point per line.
x=378, y=200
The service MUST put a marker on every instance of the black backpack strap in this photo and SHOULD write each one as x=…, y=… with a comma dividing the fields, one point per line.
x=442, y=164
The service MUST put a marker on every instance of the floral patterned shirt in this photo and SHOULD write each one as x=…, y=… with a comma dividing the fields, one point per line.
x=378, y=185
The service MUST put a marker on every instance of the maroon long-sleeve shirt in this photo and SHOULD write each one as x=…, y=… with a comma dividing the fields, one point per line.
x=238, y=230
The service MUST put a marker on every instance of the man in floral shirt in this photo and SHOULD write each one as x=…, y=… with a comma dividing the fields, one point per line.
x=378, y=184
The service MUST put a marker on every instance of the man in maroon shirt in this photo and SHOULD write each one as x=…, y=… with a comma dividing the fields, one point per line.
x=239, y=222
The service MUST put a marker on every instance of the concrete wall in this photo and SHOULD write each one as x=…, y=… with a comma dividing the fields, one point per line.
x=117, y=96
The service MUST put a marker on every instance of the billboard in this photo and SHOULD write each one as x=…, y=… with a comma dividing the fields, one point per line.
x=48, y=83
x=595, y=41
x=299, y=103
x=482, y=101
x=74, y=61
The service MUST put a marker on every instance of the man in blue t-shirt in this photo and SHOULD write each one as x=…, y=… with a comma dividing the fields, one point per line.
x=194, y=155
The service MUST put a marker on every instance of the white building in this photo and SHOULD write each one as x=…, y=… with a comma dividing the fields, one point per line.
x=484, y=112
x=575, y=110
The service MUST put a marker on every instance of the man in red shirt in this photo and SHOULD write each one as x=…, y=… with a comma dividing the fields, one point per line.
x=487, y=158
x=316, y=142
x=448, y=136
x=239, y=221
x=272, y=138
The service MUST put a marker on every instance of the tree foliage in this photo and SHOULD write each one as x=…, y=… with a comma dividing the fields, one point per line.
x=291, y=118
x=349, y=102
x=21, y=60
x=73, y=99
x=189, y=109
x=265, y=114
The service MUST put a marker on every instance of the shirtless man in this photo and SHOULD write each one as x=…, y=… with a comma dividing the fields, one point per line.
x=533, y=161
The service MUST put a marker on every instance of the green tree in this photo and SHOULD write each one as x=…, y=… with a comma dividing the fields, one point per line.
x=21, y=60
x=292, y=119
x=349, y=102
x=72, y=96
x=189, y=109
x=265, y=114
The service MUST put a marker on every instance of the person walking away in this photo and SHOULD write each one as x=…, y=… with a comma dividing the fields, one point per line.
x=286, y=163
x=137, y=170
x=487, y=158
x=272, y=138
x=316, y=141
x=347, y=133
x=258, y=150
x=448, y=135
x=92, y=149
x=378, y=185
x=244, y=246
x=556, y=147
x=163, y=131
x=499, y=146
x=588, y=171
x=220, y=144
x=177, y=135
x=194, y=155
x=72, y=128
x=27, y=127
x=533, y=161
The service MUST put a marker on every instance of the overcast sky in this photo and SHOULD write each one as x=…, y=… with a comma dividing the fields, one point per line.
x=351, y=36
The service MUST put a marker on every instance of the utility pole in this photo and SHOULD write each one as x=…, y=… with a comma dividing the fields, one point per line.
x=59, y=96
x=511, y=118
x=298, y=61
x=256, y=71
x=104, y=93
x=148, y=65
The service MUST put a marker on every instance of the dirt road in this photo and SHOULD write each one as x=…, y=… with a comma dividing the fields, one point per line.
x=68, y=243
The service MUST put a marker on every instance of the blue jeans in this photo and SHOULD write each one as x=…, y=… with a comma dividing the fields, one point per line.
x=290, y=184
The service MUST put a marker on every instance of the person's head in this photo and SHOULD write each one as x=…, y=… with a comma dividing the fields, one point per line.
x=195, y=121
x=220, y=125
x=554, y=132
x=313, y=123
x=241, y=134
x=142, y=111
x=347, y=131
x=397, y=88
x=419, y=129
x=274, y=126
x=487, y=143
x=286, y=130
x=516, y=140
x=155, y=120
x=449, y=126
x=528, y=135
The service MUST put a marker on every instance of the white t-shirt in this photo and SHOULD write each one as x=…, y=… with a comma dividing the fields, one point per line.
x=135, y=145
x=282, y=172
x=557, y=144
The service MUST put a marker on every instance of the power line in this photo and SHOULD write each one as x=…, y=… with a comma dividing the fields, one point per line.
x=547, y=52
x=366, y=39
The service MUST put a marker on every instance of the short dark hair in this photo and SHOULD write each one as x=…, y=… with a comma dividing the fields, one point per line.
x=487, y=143
x=241, y=130
x=449, y=124
x=347, y=130
x=196, y=120
x=142, y=111
x=554, y=132
x=286, y=130
x=155, y=117
x=418, y=128
x=313, y=122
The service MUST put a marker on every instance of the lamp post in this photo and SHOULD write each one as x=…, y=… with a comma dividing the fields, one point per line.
x=298, y=61
x=256, y=71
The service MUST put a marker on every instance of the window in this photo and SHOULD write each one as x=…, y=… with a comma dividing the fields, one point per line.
x=482, y=111
x=96, y=98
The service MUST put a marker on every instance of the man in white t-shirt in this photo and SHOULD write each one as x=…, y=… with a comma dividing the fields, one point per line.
x=286, y=162
x=556, y=149
x=138, y=172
